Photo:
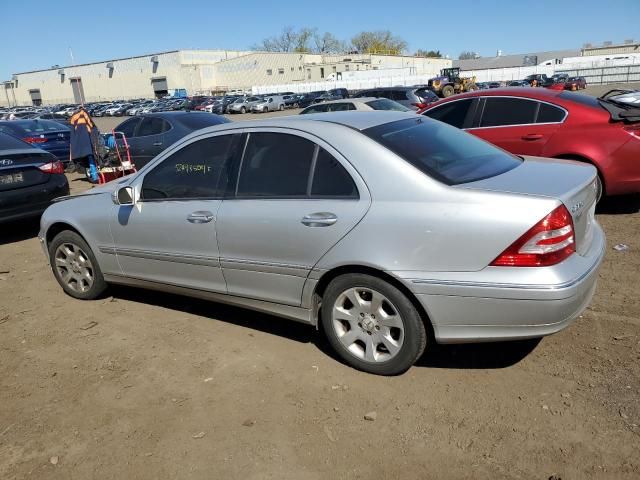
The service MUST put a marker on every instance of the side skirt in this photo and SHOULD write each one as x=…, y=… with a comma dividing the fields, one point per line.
x=298, y=314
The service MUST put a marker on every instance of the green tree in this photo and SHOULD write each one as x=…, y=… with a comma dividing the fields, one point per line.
x=381, y=41
x=428, y=53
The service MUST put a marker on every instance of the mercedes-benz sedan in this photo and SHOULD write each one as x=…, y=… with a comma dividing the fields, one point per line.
x=389, y=230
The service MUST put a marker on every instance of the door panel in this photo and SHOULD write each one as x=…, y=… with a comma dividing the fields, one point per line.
x=267, y=251
x=519, y=125
x=169, y=235
x=292, y=202
x=148, y=140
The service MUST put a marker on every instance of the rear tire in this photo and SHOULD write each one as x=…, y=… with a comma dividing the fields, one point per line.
x=243, y=110
x=281, y=107
x=379, y=332
x=75, y=266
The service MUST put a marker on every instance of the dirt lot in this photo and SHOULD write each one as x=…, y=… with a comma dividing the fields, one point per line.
x=147, y=386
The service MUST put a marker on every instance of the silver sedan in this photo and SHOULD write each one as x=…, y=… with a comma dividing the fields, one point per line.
x=391, y=231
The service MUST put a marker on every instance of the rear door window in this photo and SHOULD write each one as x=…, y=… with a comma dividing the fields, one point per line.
x=275, y=165
x=454, y=113
x=504, y=111
x=152, y=126
x=128, y=127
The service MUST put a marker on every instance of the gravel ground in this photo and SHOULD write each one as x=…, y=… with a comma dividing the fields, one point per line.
x=142, y=385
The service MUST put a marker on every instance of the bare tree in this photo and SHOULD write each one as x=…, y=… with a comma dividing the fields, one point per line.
x=328, y=43
x=467, y=55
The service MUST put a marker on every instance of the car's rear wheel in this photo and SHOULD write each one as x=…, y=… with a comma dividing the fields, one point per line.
x=243, y=110
x=75, y=267
x=281, y=107
x=372, y=325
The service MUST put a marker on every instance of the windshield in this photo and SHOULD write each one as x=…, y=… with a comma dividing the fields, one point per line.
x=443, y=152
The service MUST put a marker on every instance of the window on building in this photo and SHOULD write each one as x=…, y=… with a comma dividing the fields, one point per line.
x=334, y=68
x=281, y=71
x=321, y=72
x=346, y=68
x=269, y=71
x=308, y=74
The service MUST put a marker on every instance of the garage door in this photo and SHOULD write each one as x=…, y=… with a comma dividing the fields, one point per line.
x=160, y=88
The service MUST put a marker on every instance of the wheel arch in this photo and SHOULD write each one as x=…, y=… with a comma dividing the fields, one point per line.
x=328, y=276
x=57, y=227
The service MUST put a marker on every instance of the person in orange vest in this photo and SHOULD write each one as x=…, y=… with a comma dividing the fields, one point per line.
x=83, y=142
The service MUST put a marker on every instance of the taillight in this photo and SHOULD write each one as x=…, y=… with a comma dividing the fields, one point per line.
x=419, y=105
x=633, y=130
x=35, y=139
x=52, y=167
x=548, y=242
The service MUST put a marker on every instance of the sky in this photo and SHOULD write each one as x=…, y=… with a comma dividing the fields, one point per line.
x=101, y=31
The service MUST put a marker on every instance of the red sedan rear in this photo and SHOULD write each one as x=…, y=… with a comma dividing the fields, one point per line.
x=558, y=124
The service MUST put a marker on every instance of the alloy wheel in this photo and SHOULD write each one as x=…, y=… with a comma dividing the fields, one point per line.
x=368, y=325
x=74, y=267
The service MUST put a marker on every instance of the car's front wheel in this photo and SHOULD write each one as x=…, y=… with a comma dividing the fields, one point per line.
x=372, y=325
x=75, y=267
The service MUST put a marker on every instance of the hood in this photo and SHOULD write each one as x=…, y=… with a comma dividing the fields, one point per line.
x=107, y=188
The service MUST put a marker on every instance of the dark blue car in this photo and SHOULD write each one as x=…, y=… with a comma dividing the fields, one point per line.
x=151, y=133
x=44, y=134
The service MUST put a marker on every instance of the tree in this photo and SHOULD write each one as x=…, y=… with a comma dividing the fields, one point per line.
x=429, y=53
x=467, y=55
x=327, y=43
x=381, y=41
x=287, y=41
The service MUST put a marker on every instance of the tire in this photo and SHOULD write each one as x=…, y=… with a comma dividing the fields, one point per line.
x=363, y=344
x=295, y=105
x=281, y=107
x=265, y=110
x=447, y=91
x=243, y=110
x=471, y=87
x=69, y=252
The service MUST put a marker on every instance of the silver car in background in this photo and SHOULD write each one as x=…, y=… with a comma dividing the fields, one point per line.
x=244, y=104
x=269, y=104
x=389, y=230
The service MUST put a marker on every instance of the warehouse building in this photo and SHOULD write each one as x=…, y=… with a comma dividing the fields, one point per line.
x=197, y=72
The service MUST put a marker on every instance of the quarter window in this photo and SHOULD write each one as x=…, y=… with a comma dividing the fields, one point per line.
x=549, y=114
x=330, y=179
x=195, y=171
x=275, y=165
x=453, y=113
x=499, y=111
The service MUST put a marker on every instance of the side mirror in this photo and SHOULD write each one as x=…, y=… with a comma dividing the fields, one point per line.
x=123, y=196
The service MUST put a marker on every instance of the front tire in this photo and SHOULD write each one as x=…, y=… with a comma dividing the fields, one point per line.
x=243, y=110
x=448, y=90
x=372, y=325
x=75, y=266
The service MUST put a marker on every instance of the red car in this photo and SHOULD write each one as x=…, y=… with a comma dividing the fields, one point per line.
x=557, y=124
x=575, y=83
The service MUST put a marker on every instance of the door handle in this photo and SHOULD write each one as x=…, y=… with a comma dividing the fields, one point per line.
x=319, y=219
x=532, y=136
x=157, y=144
x=201, y=216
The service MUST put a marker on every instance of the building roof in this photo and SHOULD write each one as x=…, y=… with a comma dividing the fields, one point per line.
x=516, y=60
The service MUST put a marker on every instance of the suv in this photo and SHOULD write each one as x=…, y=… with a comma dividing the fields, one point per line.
x=541, y=80
x=414, y=98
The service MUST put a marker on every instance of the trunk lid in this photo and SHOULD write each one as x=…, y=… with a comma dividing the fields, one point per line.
x=19, y=168
x=575, y=184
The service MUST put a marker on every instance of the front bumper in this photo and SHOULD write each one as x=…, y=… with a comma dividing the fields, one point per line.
x=483, y=307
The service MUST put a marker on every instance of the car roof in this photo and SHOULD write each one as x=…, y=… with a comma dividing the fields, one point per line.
x=537, y=93
x=343, y=100
x=357, y=120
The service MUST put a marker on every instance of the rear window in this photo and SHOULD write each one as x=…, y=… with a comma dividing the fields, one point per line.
x=196, y=121
x=386, y=104
x=41, y=126
x=8, y=142
x=443, y=152
x=582, y=99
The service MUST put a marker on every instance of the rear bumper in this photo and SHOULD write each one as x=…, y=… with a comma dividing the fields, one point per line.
x=31, y=201
x=481, y=309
